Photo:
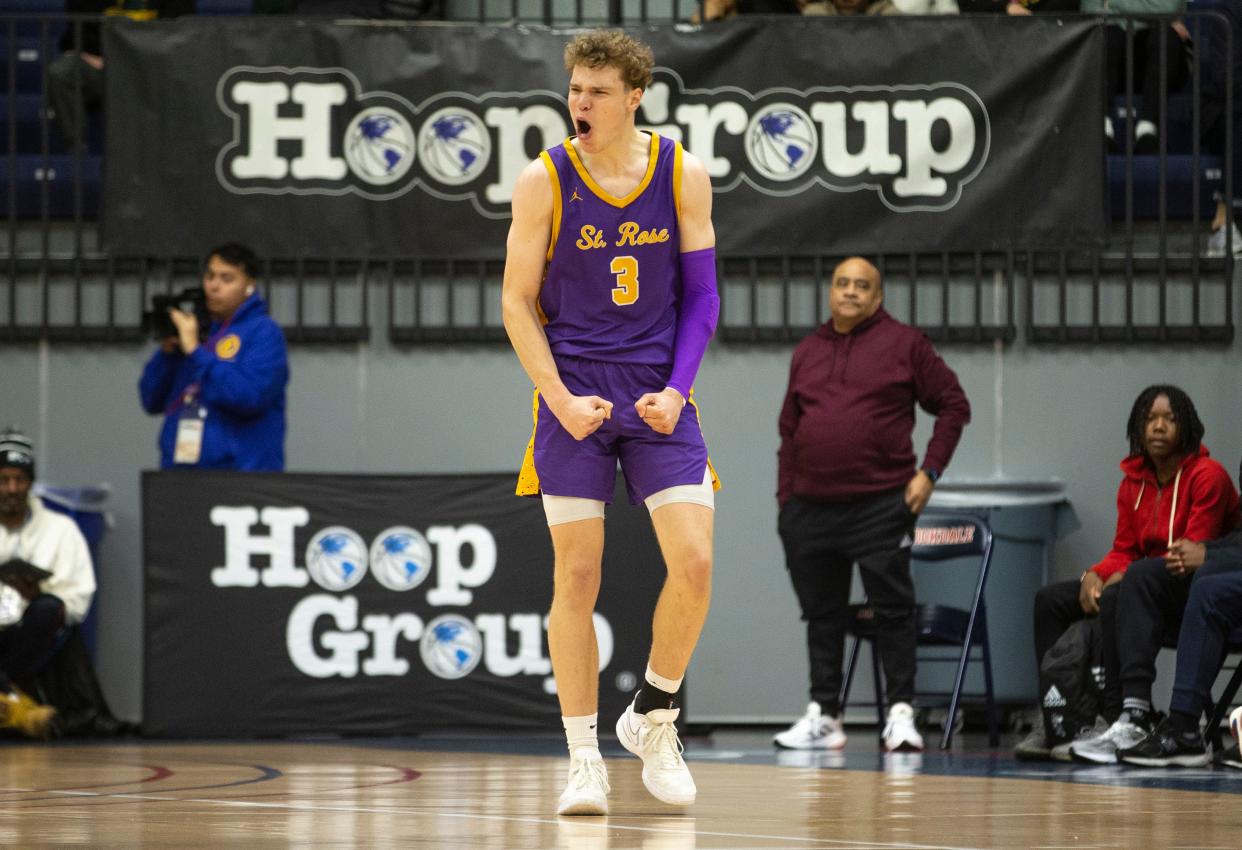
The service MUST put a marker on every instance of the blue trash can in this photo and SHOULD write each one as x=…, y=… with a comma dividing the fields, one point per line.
x=86, y=507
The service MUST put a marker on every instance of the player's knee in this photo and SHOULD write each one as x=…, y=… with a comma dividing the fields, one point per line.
x=577, y=582
x=694, y=571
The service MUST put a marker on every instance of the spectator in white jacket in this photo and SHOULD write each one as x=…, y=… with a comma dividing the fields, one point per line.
x=34, y=611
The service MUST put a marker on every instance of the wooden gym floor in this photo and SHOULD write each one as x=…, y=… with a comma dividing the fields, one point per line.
x=449, y=792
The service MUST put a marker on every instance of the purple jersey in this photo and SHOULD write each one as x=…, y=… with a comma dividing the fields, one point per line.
x=613, y=284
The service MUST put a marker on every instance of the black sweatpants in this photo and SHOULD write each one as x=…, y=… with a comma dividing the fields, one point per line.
x=822, y=542
x=1147, y=81
x=1057, y=608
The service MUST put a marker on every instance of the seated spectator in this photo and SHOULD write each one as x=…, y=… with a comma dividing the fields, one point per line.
x=1214, y=59
x=1171, y=490
x=222, y=396
x=850, y=7
x=1213, y=609
x=75, y=78
x=1148, y=36
x=35, y=614
x=1148, y=609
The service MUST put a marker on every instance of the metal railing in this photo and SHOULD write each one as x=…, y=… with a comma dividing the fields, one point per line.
x=1150, y=282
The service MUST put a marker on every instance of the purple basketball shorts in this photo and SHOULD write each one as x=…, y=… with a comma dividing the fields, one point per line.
x=650, y=461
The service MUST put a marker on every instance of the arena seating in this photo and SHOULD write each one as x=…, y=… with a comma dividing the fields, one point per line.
x=1179, y=164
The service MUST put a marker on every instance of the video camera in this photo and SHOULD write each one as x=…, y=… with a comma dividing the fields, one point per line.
x=159, y=324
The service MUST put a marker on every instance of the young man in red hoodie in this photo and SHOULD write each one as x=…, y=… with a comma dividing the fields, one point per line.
x=849, y=491
x=1172, y=491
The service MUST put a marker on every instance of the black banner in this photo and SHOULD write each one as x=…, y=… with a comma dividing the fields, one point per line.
x=357, y=604
x=821, y=135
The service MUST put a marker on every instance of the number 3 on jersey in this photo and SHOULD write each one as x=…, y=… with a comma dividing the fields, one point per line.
x=626, y=290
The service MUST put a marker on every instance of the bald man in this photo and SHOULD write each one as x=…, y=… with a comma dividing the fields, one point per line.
x=850, y=491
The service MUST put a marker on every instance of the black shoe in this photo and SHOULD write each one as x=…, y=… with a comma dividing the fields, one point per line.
x=1167, y=746
x=1228, y=757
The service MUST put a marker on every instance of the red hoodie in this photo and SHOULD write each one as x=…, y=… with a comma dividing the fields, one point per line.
x=1200, y=503
x=848, y=417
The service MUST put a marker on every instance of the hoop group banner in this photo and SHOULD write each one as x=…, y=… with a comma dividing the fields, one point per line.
x=332, y=139
x=294, y=604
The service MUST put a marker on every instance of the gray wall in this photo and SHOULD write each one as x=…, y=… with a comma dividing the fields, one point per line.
x=1038, y=413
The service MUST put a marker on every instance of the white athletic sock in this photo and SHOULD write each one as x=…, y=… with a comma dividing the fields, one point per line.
x=581, y=732
x=669, y=686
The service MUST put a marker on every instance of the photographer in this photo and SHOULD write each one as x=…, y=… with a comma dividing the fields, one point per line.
x=221, y=388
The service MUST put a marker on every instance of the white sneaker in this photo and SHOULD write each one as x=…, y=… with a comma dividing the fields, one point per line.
x=653, y=738
x=1102, y=749
x=899, y=732
x=1061, y=752
x=1216, y=242
x=814, y=731
x=586, y=790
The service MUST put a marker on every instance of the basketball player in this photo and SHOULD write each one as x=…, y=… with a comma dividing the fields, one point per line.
x=609, y=301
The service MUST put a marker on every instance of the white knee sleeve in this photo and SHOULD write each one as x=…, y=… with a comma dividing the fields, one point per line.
x=695, y=494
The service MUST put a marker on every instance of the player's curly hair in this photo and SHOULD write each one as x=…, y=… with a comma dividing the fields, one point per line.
x=612, y=48
x=1189, y=428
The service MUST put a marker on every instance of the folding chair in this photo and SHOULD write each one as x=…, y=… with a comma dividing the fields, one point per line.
x=939, y=537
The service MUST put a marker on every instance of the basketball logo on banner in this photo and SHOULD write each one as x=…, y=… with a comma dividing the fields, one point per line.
x=455, y=146
x=400, y=558
x=336, y=558
x=379, y=145
x=451, y=646
x=781, y=142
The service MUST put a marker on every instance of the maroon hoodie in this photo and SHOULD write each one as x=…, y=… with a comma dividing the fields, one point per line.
x=848, y=416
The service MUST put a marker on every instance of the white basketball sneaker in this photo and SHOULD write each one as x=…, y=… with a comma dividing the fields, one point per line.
x=653, y=738
x=899, y=732
x=814, y=731
x=586, y=790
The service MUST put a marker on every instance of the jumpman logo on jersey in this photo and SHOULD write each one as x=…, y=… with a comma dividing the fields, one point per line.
x=575, y=196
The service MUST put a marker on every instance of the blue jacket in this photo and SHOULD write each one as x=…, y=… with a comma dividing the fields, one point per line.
x=241, y=371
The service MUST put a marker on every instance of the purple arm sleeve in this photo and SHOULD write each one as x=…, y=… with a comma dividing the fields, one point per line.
x=696, y=322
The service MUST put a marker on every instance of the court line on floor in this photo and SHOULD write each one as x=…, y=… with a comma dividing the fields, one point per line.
x=604, y=825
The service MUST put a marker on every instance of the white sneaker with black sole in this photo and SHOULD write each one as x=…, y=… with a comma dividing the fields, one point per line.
x=1102, y=748
x=653, y=738
x=586, y=789
x=814, y=731
x=899, y=732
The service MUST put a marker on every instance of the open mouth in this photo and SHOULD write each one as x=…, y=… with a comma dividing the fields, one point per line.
x=584, y=128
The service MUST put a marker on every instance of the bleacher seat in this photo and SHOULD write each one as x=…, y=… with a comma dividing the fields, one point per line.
x=32, y=174
x=29, y=52
x=35, y=7
x=29, y=131
x=1179, y=145
x=1179, y=186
